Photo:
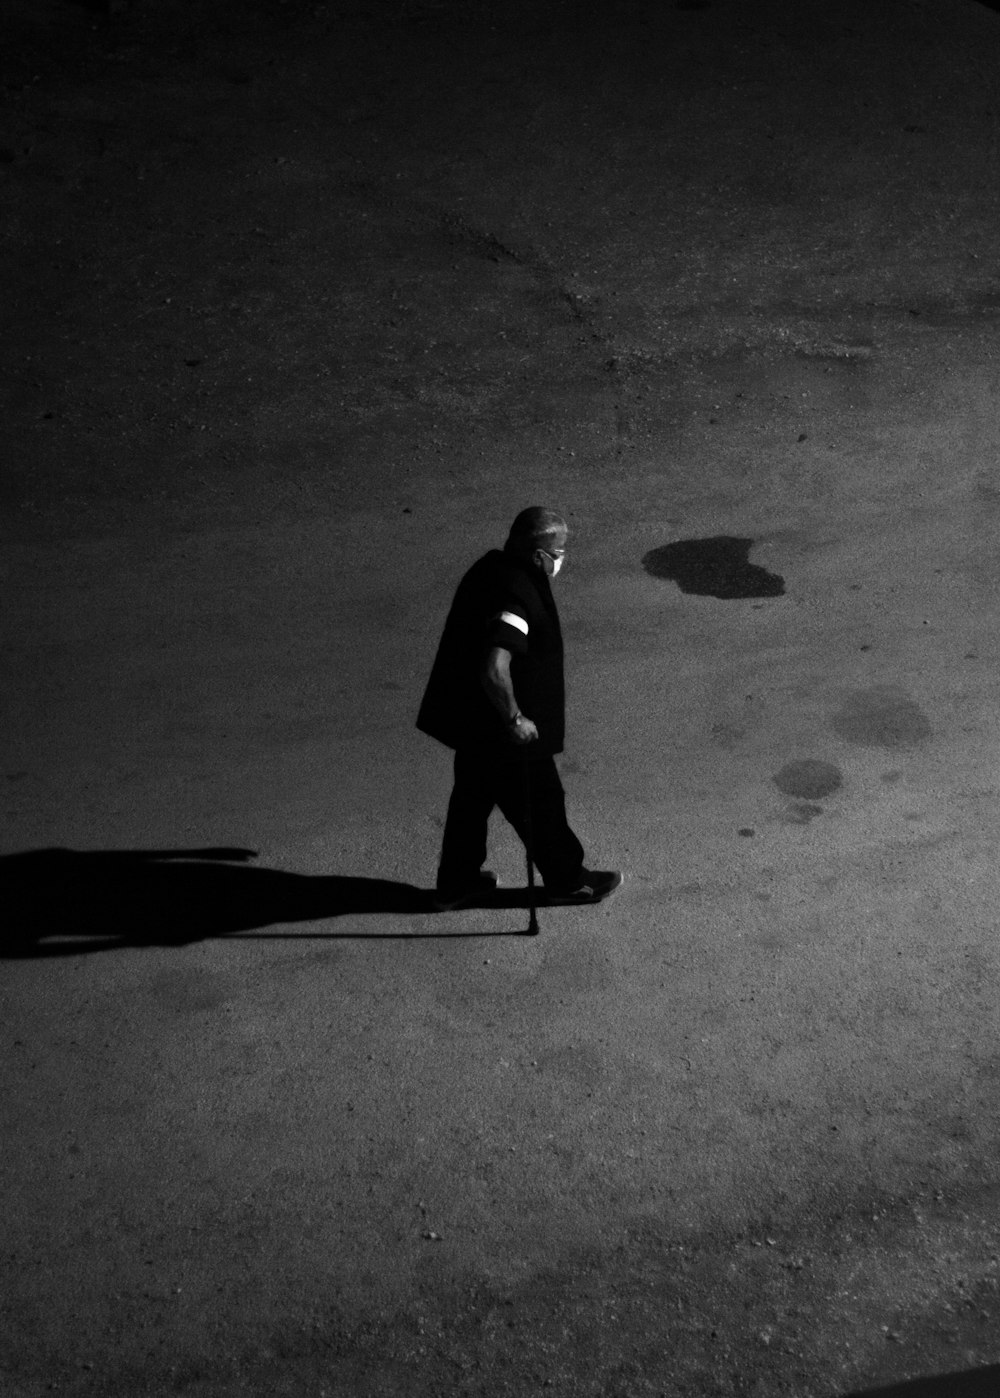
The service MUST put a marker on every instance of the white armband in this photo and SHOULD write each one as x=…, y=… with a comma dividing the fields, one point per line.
x=512, y=619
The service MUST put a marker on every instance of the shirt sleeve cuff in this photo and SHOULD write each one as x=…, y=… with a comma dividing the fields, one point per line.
x=509, y=630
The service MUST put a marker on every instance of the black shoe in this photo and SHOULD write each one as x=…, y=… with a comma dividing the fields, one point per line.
x=594, y=886
x=446, y=900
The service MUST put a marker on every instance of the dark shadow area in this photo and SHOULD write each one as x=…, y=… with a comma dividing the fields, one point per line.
x=717, y=567
x=61, y=902
x=973, y=1383
x=99, y=7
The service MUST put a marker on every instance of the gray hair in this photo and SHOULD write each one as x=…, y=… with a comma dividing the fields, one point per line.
x=534, y=528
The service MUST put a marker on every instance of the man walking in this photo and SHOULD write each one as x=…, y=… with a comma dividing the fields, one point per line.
x=496, y=696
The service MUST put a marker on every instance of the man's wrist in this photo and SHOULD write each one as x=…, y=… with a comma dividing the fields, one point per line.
x=513, y=722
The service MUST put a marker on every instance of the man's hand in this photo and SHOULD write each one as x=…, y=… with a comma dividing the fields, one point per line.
x=523, y=731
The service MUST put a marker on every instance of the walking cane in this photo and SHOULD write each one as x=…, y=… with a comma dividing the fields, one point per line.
x=528, y=842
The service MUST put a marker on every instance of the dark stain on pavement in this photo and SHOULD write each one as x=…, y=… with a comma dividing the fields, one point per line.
x=715, y=567
x=809, y=779
x=969, y=1383
x=881, y=717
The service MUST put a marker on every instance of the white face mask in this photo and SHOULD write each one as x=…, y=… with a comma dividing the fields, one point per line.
x=550, y=564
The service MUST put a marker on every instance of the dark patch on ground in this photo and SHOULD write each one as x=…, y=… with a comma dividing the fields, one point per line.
x=808, y=779
x=716, y=567
x=882, y=717
x=975, y=1383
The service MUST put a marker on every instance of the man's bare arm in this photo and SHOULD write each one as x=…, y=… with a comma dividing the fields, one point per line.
x=496, y=681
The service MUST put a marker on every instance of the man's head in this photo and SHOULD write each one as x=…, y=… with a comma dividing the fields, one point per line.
x=538, y=537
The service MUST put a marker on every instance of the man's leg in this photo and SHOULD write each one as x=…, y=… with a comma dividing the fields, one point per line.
x=463, y=848
x=555, y=850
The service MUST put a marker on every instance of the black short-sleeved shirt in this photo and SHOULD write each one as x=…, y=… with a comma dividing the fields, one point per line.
x=499, y=602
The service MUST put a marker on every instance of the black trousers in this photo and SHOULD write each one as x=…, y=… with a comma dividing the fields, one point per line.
x=508, y=780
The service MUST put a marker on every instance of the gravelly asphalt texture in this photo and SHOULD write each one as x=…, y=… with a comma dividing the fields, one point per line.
x=302, y=302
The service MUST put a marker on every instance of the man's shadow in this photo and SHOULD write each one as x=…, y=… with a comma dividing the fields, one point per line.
x=62, y=901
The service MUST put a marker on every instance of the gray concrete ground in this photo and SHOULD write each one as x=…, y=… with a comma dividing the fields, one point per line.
x=305, y=303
